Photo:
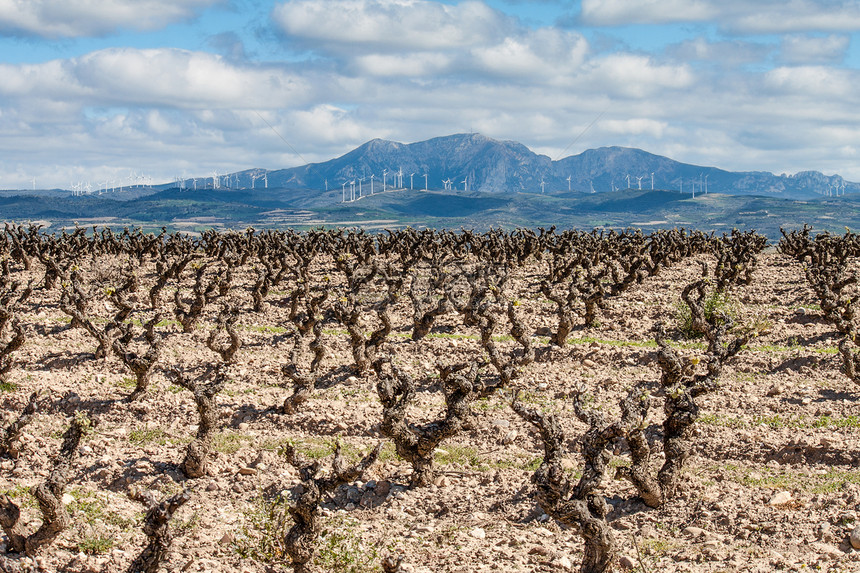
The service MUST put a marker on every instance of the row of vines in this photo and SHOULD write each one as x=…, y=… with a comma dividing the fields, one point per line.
x=143, y=298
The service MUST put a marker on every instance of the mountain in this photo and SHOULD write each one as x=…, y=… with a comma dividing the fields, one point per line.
x=491, y=166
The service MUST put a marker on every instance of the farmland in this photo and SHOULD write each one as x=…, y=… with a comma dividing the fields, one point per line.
x=303, y=341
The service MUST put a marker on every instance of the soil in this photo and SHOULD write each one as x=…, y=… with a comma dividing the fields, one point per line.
x=773, y=482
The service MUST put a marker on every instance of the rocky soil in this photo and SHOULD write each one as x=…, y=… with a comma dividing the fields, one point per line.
x=773, y=483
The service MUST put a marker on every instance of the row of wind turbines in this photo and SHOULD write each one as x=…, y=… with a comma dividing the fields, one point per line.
x=356, y=193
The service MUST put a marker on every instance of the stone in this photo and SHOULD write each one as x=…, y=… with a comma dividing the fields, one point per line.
x=246, y=471
x=627, y=562
x=565, y=563
x=648, y=532
x=827, y=550
x=780, y=498
x=588, y=363
x=854, y=538
x=212, y=486
x=227, y=539
x=478, y=533
x=67, y=499
x=694, y=532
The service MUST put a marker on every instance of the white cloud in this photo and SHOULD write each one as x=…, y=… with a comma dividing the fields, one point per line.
x=623, y=12
x=388, y=25
x=635, y=76
x=723, y=53
x=155, y=77
x=80, y=18
x=814, y=50
x=544, y=52
x=813, y=82
x=411, y=65
x=735, y=16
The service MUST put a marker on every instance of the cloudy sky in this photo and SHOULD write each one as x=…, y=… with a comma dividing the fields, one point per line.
x=95, y=91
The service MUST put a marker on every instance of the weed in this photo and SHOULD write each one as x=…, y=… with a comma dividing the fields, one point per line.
x=716, y=303
x=98, y=544
x=464, y=456
x=262, y=536
x=143, y=436
x=230, y=443
x=8, y=387
x=341, y=549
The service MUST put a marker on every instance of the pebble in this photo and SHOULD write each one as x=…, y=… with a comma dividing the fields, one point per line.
x=226, y=539
x=478, y=533
x=565, y=563
x=827, y=549
x=213, y=486
x=693, y=531
x=243, y=426
x=588, y=363
x=67, y=499
x=780, y=498
x=854, y=538
x=626, y=562
x=246, y=471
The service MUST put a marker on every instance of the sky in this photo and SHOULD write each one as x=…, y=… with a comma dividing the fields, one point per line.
x=96, y=93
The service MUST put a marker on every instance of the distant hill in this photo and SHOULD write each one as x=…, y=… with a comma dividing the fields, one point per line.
x=474, y=162
x=508, y=186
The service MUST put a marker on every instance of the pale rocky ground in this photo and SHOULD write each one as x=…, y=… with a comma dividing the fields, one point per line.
x=773, y=483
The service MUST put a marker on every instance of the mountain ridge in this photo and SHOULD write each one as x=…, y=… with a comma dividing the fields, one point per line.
x=475, y=162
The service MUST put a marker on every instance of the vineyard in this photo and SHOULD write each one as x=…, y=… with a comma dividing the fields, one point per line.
x=424, y=401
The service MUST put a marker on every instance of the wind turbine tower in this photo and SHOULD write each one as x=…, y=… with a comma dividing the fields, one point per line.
x=652, y=181
x=411, y=188
x=639, y=181
x=425, y=182
x=568, y=182
x=384, y=176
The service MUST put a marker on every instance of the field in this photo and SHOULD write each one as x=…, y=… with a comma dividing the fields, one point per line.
x=772, y=482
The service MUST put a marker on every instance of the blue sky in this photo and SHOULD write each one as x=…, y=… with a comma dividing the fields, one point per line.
x=97, y=92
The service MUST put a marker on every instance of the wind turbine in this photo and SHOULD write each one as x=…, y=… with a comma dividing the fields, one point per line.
x=371, y=183
x=628, y=180
x=266, y=179
x=706, y=183
x=400, y=177
x=425, y=182
x=542, y=185
x=359, y=186
x=352, y=188
x=639, y=181
x=384, y=175
x=652, y=181
x=410, y=182
x=466, y=183
x=342, y=191
x=568, y=182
